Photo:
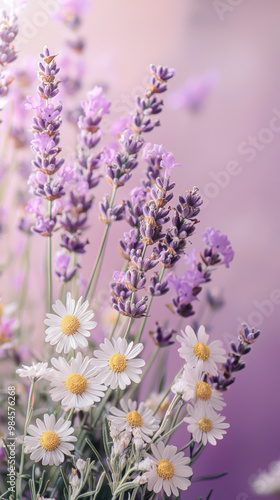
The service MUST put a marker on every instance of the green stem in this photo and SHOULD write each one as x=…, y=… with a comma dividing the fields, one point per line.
x=168, y=391
x=139, y=335
x=27, y=420
x=102, y=247
x=148, y=367
x=173, y=425
x=25, y=281
x=50, y=264
x=115, y=326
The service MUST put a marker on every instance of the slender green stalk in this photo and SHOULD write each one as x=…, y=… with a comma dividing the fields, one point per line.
x=25, y=280
x=173, y=425
x=139, y=335
x=50, y=263
x=115, y=326
x=96, y=266
x=170, y=432
x=148, y=367
x=166, y=416
x=27, y=420
x=168, y=391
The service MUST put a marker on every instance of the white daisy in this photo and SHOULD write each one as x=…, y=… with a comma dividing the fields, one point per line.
x=70, y=326
x=75, y=383
x=166, y=470
x=116, y=365
x=50, y=440
x=36, y=371
x=131, y=418
x=195, y=388
x=196, y=352
x=205, y=424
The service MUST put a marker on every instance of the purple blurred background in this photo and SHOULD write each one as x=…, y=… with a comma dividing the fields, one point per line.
x=241, y=42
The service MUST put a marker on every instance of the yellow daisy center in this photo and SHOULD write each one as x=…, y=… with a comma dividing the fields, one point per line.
x=165, y=469
x=117, y=362
x=203, y=390
x=49, y=440
x=201, y=351
x=1, y=310
x=134, y=419
x=204, y=424
x=69, y=324
x=76, y=383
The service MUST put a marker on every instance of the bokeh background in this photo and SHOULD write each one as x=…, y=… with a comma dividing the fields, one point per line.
x=239, y=40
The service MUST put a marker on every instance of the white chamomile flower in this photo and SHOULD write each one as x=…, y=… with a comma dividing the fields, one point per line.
x=36, y=371
x=197, y=353
x=166, y=470
x=70, y=326
x=132, y=419
x=196, y=389
x=205, y=424
x=116, y=365
x=268, y=483
x=50, y=440
x=75, y=384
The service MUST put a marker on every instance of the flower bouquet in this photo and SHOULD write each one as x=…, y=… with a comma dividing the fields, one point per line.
x=90, y=410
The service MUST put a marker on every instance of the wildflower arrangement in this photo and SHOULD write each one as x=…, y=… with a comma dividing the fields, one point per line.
x=95, y=416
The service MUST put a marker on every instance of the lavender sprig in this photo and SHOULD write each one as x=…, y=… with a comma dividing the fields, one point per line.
x=8, y=33
x=247, y=337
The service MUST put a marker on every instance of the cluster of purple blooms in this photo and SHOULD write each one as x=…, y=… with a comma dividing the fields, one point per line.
x=217, y=252
x=148, y=212
x=8, y=33
x=247, y=336
x=45, y=145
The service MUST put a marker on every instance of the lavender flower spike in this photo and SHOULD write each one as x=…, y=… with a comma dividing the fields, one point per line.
x=8, y=33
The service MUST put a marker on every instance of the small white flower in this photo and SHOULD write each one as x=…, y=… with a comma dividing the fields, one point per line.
x=36, y=371
x=135, y=420
x=81, y=465
x=75, y=383
x=268, y=483
x=166, y=470
x=197, y=353
x=70, y=326
x=205, y=424
x=196, y=389
x=116, y=365
x=50, y=440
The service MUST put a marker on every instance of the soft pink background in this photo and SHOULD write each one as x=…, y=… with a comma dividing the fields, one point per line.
x=124, y=37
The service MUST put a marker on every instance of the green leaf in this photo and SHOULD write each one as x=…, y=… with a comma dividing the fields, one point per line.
x=91, y=445
x=209, y=494
x=206, y=478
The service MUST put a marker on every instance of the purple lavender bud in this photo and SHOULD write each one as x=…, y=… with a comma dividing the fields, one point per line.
x=234, y=362
x=48, y=71
x=157, y=288
x=134, y=279
x=188, y=206
x=109, y=214
x=44, y=226
x=73, y=243
x=134, y=309
x=62, y=268
x=163, y=337
x=142, y=263
x=73, y=224
x=162, y=72
x=220, y=251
